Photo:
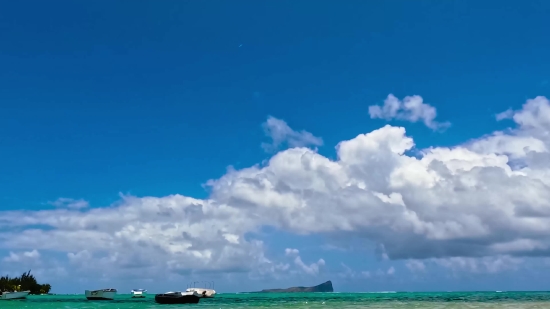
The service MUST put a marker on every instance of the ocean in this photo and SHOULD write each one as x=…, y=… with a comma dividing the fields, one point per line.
x=481, y=300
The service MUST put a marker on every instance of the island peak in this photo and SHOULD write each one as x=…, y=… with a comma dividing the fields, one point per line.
x=323, y=287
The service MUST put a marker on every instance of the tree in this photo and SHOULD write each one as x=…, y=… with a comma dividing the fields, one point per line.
x=26, y=282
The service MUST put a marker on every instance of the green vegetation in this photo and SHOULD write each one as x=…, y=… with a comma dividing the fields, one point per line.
x=26, y=282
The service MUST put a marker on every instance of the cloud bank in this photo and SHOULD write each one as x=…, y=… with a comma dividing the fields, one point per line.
x=480, y=205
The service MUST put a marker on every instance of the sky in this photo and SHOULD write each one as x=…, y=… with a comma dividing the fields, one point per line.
x=382, y=145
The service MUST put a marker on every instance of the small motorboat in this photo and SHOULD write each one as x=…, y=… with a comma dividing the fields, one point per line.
x=205, y=293
x=14, y=295
x=104, y=294
x=138, y=293
x=178, y=298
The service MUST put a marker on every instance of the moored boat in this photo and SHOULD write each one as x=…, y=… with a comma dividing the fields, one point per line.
x=103, y=294
x=206, y=293
x=14, y=295
x=138, y=293
x=178, y=298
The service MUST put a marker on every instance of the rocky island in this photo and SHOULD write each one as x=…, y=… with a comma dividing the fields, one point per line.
x=323, y=287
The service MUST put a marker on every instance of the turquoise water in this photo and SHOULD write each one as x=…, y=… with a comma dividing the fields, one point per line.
x=482, y=300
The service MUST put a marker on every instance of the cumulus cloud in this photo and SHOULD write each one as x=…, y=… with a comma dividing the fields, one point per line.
x=412, y=109
x=43, y=267
x=23, y=256
x=527, y=142
x=170, y=234
x=481, y=201
x=311, y=269
x=291, y=252
x=279, y=132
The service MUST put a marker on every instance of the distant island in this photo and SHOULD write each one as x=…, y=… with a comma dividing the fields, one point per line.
x=323, y=287
x=26, y=282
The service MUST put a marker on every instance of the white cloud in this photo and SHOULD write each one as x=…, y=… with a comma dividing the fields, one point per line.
x=43, y=268
x=467, y=265
x=493, y=264
x=311, y=269
x=507, y=114
x=172, y=234
x=479, y=205
x=529, y=141
x=33, y=255
x=279, y=132
x=391, y=271
x=291, y=252
x=412, y=109
x=70, y=203
x=415, y=266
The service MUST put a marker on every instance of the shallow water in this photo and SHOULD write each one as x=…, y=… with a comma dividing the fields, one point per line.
x=482, y=300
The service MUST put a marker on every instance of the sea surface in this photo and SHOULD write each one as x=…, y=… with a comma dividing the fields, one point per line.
x=516, y=300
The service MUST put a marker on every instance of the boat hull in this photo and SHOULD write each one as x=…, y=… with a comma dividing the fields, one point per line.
x=176, y=299
x=138, y=296
x=99, y=295
x=139, y=293
x=14, y=295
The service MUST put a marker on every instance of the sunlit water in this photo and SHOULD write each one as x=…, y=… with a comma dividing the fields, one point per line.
x=516, y=300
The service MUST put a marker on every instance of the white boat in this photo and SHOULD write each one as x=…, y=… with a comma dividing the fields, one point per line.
x=207, y=293
x=104, y=294
x=138, y=293
x=14, y=295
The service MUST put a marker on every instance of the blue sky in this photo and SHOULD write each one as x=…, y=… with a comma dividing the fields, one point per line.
x=106, y=102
